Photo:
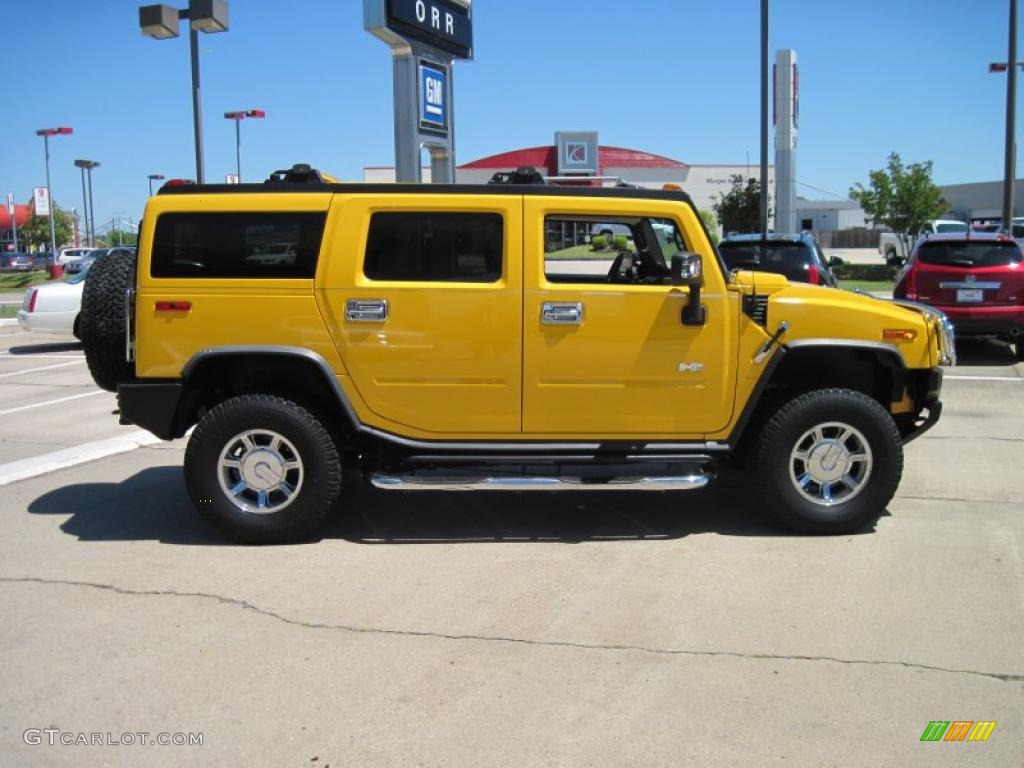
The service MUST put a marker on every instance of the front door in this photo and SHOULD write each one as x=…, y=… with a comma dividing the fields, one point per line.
x=605, y=352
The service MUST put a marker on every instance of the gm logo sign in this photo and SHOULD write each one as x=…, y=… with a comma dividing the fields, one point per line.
x=433, y=97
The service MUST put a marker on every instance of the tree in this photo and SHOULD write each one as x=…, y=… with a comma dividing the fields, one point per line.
x=710, y=223
x=36, y=231
x=120, y=237
x=739, y=209
x=902, y=198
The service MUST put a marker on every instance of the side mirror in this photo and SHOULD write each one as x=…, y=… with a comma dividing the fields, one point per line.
x=835, y=261
x=687, y=270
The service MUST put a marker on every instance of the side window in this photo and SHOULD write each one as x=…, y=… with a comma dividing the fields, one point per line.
x=626, y=249
x=267, y=245
x=435, y=247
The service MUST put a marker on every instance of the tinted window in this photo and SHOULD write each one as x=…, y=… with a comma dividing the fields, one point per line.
x=456, y=247
x=784, y=258
x=237, y=244
x=970, y=255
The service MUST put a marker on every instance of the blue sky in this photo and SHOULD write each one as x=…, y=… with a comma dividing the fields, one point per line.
x=673, y=77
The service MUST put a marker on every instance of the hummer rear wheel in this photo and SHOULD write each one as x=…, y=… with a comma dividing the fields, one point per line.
x=262, y=469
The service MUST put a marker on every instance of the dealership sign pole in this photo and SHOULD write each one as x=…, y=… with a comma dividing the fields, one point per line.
x=425, y=37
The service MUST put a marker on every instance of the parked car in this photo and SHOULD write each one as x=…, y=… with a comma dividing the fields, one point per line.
x=13, y=261
x=895, y=248
x=797, y=256
x=275, y=253
x=73, y=267
x=975, y=278
x=69, y=255
x=463, y=349
x=54, y=307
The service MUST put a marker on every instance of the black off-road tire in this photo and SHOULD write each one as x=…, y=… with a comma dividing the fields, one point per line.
x=102, y=320
x=304, y=439
x=1018, y=348
x=778, y=445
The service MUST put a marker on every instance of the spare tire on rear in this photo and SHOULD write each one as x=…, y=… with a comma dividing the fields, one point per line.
x=104, y=318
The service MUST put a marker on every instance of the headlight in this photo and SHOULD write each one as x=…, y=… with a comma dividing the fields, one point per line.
x=943, y=329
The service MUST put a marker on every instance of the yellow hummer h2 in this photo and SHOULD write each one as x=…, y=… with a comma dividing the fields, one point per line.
x=470, y=338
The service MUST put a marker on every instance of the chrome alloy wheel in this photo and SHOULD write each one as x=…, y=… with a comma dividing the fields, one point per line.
x=260, y=471
x=830, y=463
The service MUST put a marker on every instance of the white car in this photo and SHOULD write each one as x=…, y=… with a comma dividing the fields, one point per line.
x=54, y=307
x=69, y=255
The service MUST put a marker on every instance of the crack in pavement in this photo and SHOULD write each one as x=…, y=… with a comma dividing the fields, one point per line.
x=1007, y=678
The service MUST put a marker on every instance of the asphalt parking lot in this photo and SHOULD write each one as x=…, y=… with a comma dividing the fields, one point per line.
x=503, y=629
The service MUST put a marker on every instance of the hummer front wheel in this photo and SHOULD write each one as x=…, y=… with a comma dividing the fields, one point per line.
x=829, y=461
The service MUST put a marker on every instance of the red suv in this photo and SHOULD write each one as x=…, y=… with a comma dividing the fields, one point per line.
x=976, y=278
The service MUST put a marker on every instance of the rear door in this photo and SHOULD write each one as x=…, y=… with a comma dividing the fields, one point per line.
x=422, y=296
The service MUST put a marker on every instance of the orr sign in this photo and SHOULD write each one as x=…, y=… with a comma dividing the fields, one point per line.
x=438, y=23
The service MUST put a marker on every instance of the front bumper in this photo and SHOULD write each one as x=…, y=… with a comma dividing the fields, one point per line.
x=925, y=388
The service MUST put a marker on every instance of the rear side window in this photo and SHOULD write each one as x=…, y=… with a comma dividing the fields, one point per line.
x=434, y=247
x=268, y=245
x=970, y=255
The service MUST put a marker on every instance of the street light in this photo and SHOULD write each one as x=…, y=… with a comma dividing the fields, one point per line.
x=154, y=177
x=46, y=133
x=90, y=213
x=238, y=117
x=1010, y=169
x=161, y=22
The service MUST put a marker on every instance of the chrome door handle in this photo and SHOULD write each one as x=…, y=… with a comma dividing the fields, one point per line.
x=553, y=313
x=366, y=310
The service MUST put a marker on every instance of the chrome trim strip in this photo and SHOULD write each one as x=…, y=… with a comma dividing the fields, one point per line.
x=544, y=483
x=943, y=326
x=961, y=284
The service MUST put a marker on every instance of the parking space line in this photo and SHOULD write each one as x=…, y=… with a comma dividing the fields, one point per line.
x=6, y=353
x=53, y=402
x=70, y=457
x=42, y=368
x=983, y=378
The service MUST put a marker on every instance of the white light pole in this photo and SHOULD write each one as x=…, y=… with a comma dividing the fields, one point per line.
x=238, y=116
x=46, y=133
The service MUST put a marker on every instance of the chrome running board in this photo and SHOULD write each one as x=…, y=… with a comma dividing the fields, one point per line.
x=545, y=483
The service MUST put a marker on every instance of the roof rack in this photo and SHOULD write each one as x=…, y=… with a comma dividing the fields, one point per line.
x=524, y=174
x=300, y=173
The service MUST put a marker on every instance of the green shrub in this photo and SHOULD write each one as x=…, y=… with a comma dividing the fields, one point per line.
x=865, y=272
x=620, y=243
x=598, y=242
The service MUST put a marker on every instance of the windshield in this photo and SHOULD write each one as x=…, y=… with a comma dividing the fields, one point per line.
x=77, y=277
x=970, y=255
x=953, y=226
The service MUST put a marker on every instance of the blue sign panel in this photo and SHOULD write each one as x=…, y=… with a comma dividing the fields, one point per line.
x=433, y=97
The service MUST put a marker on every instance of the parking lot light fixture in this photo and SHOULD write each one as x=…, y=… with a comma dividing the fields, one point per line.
x=154, y=177
x=161, y=22
x=46, y=133
x=238, y=116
